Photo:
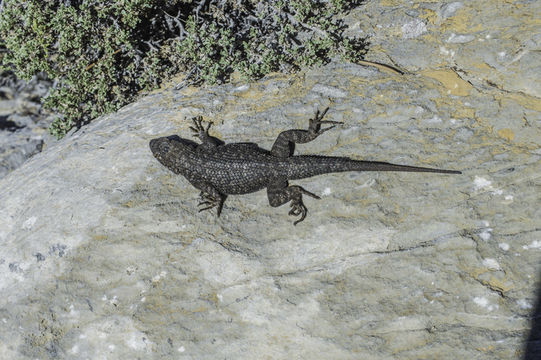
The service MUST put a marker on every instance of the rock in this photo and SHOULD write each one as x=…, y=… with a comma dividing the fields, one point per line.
x=23, y=121
x=449, y=9
x=103, y=252
x=21, y=138
x=14, y=156
x=8, y=107
x=6, y=93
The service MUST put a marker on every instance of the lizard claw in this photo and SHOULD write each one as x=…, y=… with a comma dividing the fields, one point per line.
x=198, y=128
x=314, y=126
x=306, y=192
x=298, y=208
x=208, y=202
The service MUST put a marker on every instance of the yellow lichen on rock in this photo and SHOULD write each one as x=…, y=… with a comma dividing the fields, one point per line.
x=389, y=3
x=528, y=101
x=429, y=15
x=462, y=22
x=506, y=134
x=450, y=80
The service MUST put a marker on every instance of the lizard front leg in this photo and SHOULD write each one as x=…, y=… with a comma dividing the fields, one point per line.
x=279, y=192
x=284, y=146
x=210, y=197
x=202, y=132
x=209, y=201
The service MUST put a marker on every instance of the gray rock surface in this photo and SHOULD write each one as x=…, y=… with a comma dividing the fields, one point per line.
x=23, y=121
x=104, y=256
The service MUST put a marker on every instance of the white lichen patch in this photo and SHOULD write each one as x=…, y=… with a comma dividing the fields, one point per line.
x=72, y=311
x=508, y=199
x=327, y=191
x=459, y=39
x=413, y=29
x=486, y=233
x=136, y=342
x=29, y=223
x=534, y=245
x=434, y=120
x=524, y=304
x=482, y=184
x=242, y=88
x=446, y=52
x=491, y=264
x=448, y=10
x=159, y=276
x=484, y=303
x=503, y=246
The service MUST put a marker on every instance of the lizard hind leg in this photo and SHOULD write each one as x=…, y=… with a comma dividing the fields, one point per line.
x=284, y=146
x=280, y=192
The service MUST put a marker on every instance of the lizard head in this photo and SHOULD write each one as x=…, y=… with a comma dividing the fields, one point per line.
x=168, y=148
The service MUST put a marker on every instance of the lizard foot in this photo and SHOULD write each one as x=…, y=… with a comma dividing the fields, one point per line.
x=208, y=202
x=198, y=129
x=314, y=127
x=298, y=207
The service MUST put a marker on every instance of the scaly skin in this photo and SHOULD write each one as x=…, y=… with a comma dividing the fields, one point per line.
x=219, y=169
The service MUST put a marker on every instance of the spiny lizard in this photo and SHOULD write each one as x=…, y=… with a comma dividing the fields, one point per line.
x=219, y=169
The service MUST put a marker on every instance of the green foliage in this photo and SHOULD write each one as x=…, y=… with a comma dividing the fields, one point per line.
x=103, y=52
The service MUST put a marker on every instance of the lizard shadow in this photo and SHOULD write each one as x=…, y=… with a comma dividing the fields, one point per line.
x=220, y=143
x=191, y=142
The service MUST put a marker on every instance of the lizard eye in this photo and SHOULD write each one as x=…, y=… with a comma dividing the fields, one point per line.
x=159, y=146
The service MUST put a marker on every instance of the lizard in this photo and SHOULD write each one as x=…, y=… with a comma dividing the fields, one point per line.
x=218, y=169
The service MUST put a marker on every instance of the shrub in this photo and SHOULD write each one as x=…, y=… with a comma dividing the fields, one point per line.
x=101, y=53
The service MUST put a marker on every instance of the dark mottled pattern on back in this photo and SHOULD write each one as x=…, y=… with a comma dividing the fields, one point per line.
x=219, y=169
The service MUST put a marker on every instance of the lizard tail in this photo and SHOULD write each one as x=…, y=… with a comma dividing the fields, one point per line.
x=358, y=165
x=304, y=166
